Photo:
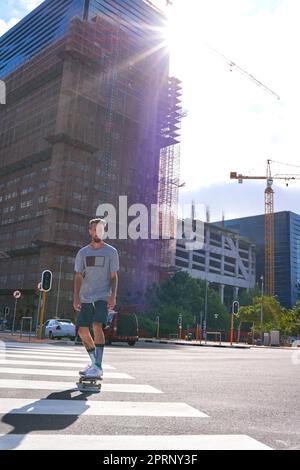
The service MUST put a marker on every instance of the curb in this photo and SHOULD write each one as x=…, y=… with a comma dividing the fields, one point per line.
x=183, y=343
x=7, y=337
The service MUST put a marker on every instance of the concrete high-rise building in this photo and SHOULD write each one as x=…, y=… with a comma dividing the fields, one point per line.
x=92, y=114
x=287, y=251
x=226, y=260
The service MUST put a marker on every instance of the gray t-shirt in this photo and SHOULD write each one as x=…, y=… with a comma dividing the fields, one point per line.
x=96, y=267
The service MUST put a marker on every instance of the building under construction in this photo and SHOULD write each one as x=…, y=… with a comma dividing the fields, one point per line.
x=91, y=115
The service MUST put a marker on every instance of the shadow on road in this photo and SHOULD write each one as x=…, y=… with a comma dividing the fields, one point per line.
x=28, y=418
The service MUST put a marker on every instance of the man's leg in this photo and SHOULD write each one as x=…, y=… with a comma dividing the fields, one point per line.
x=99, y=343
x=85, y=335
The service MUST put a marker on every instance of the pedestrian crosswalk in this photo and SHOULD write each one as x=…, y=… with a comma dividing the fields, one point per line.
x=29, y=371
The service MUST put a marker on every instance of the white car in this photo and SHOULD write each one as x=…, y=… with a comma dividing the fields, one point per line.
x=58, y=328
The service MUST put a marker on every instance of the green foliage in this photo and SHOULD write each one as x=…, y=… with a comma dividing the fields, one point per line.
x=246, y=298
x=275, y=317
x=182, y=294
x=147, y=325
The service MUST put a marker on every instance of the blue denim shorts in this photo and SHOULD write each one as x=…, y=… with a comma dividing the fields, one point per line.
x=92, y=313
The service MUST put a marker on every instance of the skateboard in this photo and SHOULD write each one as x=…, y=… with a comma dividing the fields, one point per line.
x=90, y=384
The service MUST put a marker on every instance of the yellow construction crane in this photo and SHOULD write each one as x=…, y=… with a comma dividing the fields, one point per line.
x=269, y=219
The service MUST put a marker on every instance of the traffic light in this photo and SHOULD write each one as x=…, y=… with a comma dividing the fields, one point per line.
x=6, y=310
x=235, y=308
x=46, y=281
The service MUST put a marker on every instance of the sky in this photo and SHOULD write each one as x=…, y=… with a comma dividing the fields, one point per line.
x=232, y=123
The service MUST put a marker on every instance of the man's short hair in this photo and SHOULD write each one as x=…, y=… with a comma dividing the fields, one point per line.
x=97, y=221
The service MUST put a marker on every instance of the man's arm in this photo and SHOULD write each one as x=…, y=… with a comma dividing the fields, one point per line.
x=77, y=286
x=111, y=302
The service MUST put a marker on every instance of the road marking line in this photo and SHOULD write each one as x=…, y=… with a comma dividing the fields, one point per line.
x=9, y=355
x=45, y=385
x=97, y=408
x=58, y=373
x=58, y=364
x=75, y=442
x=26, y=347
x=53, y=354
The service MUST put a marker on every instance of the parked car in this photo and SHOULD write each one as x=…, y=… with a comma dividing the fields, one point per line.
x=121, y=327
x=59, y=328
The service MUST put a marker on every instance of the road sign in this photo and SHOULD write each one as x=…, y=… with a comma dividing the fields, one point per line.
x=17, y=295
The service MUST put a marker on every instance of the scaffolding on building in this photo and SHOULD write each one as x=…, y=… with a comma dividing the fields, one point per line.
x=169, y=177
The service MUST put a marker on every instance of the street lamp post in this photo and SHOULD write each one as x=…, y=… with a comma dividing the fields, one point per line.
x=200, y=327
x=205, y=312
x=261, y=309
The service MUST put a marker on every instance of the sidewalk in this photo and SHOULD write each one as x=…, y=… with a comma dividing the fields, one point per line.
x=7, y=337
x=212, y=344
x=183, y=342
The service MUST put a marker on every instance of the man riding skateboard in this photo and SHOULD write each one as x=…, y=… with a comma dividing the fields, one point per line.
x=95, y=291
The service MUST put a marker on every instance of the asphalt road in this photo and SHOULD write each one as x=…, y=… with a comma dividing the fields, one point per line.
x=171, y=391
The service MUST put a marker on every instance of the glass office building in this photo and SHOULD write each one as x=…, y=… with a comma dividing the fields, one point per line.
x=51, y=20
x=287, y=251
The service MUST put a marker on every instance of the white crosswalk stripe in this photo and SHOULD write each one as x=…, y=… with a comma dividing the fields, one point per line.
x=48, y=385
x=169, y=442
x=59, y=373
x=44, y=363
x=97, y=408
x=27, y=355
x=53, y=349
x=43, y=347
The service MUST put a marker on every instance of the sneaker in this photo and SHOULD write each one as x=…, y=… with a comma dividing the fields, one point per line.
x=100, y=370
x=84, y=371
x=94, y=373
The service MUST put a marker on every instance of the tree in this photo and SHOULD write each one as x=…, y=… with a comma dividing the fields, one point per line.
x=246, y=297
x=182, y=294
x=275, y=317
